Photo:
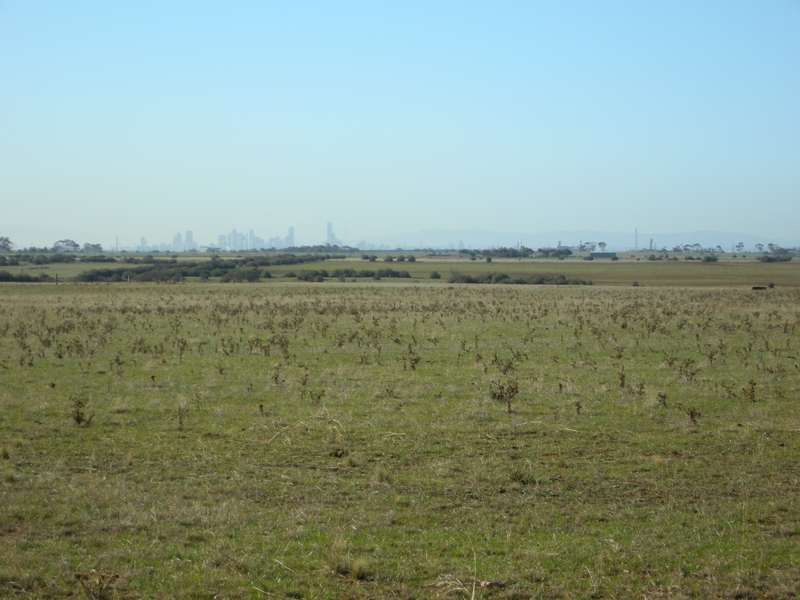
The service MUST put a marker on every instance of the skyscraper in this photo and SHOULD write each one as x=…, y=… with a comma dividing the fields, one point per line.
x=290, y=238
x=331, y=238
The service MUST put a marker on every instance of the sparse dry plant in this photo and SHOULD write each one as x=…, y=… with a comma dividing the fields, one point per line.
x=78, y=414
x=749, y=391
x=98, y=585
x=504, y=391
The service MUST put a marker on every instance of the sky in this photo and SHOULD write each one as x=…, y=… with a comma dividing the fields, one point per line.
x=126, y=119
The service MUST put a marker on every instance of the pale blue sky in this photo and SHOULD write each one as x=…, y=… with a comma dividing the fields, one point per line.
x=139, y=118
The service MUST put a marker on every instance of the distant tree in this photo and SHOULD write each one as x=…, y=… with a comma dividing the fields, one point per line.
x=602, y=246
x=388, y=258
x=488, y=259
x=435, y=275
x=719, y=250
x=778, y=255
x=66, y=246
x=92, y=248
x=239, y=275
x=6, y=245
x=771, y=247
x=740, y=246
x=412, y=259
x=759, y=247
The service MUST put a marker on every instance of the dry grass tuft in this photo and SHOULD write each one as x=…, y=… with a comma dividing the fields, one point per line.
x=338, y=559
x=359, y=569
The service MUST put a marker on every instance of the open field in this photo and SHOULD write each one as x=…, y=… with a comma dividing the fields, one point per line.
x=727, y=272
x=605, y=272
x=376, y=439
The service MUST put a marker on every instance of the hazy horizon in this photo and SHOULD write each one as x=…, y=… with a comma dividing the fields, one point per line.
x=128, y=120
x=442, y=239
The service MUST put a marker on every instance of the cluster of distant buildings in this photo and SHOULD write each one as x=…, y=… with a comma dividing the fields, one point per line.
x=186, y=244
x=250, y=241
x=179, y=243
x=234, y=241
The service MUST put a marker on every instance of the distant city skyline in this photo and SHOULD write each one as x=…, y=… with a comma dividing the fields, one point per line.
x=454, y=240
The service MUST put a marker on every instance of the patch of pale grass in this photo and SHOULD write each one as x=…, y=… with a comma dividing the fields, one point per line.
x=338, y=558
x=359, y=569
x=383, y=475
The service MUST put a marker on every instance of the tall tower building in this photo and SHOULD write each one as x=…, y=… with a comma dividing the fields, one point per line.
x=290, y=238
x=331, y=238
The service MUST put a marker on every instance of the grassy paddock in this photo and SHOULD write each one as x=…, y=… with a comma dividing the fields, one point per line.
x=602, y=271
x=339, y=440
x=727, y=272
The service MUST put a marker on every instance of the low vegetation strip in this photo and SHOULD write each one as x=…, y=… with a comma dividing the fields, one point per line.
x=320, y=275
x=244, y=269
x=5, y=276
x=533, y=279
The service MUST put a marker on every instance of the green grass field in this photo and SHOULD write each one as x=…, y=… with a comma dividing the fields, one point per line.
x=406, y=439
